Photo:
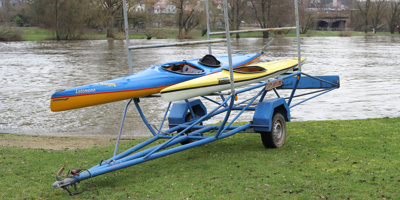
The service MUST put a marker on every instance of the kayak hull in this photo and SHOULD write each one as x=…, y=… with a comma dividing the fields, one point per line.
x=144, y=83
x=220, y=81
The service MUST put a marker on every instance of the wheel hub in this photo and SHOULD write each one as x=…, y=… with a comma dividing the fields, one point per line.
x=277, y=132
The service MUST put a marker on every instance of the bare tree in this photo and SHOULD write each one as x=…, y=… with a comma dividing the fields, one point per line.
x=365, y=11
x=273, y=13
x=307, y=18
x=188, y=17
x=68, y=19
x=262, y=11
x=237, y=10
x=216, y=14
x=393, y=15
x=10, y=10
x=5, y=11
x=6, y=4
x=108, y=10
x=379, y=11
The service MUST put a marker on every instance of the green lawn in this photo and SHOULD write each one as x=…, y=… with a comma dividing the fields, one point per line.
x=352, y=159
x=37, y=34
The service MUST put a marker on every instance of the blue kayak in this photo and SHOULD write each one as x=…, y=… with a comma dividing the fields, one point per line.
x=146, y=82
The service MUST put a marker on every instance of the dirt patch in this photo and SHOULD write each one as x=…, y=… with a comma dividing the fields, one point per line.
x=56, y=142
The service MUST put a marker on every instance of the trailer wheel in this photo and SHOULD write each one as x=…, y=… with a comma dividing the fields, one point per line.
x=188, y=118
x=276, y=138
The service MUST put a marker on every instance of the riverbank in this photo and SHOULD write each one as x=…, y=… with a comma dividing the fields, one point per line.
x=56, y=142
x=349, y=159
x=37, y=34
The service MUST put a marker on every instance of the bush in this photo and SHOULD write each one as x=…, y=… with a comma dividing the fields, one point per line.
x=310, y=33
x=10, y=35
x=345, y=34
x=19, y=21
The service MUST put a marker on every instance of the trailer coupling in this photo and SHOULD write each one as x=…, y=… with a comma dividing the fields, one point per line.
x=64, y=184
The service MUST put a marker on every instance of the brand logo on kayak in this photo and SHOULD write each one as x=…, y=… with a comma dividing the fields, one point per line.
x=66, y=99
x=223, y=80
x=84, y=91
x=108, y=84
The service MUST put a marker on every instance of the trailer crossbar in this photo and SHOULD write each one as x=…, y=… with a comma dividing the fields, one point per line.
x=254, y=30
x=177, y=44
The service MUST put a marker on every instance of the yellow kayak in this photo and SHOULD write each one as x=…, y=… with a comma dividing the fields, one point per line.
x=220, y=81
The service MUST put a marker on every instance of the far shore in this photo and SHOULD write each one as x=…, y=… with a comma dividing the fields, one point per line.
x=39, y=34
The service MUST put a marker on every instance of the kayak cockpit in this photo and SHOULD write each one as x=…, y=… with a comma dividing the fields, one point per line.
x=182, y=68
x=248, y=69
x=209, y=61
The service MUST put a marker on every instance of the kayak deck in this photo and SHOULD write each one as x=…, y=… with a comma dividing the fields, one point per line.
x=144, y=83
x=220, y=81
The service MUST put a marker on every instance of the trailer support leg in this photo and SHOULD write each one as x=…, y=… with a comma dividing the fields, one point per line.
x=120, y=128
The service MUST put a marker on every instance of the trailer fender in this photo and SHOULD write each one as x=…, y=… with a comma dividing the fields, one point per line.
x=265, y=112
x=180, y=109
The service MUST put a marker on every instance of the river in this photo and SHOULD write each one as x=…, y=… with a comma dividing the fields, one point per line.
x=30, y=72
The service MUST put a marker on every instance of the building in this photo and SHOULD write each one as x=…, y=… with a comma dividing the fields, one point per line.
x=165, y=7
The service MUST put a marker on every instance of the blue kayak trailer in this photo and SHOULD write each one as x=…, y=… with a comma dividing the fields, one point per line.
x=185, y=118
x=185, y=121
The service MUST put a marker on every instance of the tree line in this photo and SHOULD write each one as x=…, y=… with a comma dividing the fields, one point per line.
x=378, y=12
x=70, y=19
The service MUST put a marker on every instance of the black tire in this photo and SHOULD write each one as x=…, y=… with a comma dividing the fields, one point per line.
x=188, y=118
x=277, y=137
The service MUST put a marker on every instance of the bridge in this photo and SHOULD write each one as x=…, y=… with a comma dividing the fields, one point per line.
x=332, y=20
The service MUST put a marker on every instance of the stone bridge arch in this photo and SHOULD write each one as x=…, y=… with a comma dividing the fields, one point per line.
x=332, y=23
x=322, y=25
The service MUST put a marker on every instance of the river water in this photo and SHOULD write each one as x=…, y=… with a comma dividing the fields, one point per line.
x=30, y=72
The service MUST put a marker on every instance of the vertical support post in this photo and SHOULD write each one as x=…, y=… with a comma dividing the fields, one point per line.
x=136, y=101
x=296, y=7
x=126, y=24
x=208, y=27
x=294, y=89
x=120, y=128
x=165, y=116
x=233, y=93
x=228, y=43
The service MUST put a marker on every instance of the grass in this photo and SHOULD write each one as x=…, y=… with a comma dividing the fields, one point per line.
x=354, y=159
x=36, y=34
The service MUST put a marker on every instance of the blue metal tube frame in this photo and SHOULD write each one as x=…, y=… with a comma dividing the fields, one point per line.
x=241, y=112
x=312, y=97
x=117, y=159
x=132, y=156
x=228, y=112
x=316, y=78
x=165, y=116
x=255, y=87
x=120, y=128
x=188, y=126
x=294, y=89
x=136, y=101
x=114, y=166
x=184, y=130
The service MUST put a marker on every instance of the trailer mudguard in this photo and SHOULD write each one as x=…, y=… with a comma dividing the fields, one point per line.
x=180, y=109
x=266, y=110
x=317, y=82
